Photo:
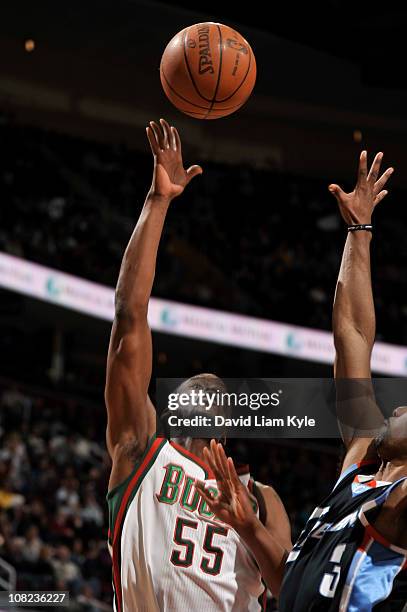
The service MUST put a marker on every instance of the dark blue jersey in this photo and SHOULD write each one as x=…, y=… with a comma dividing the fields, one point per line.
x=340, y=562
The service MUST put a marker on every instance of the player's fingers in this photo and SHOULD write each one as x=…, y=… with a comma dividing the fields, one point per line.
x=209, y=458
x=206, y=495
x=153, y=141
x=193, y=171
x=166, y=130
x=224, y=483
x=379, y=184
x=337, y=192
x=223, y=460
x=380, y=197
x=157, y=133
x=214, y=455
x=227, y=483
x=375, y=168
x=362, y=171
x=173, y=139
x=219, y=461
x=177, y=140
x=234, y=478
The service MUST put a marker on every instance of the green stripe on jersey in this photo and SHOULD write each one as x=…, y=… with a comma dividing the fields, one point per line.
x=115, y=496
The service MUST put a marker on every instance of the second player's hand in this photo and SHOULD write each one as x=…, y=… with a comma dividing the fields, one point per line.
x=169, y=177
x=357, y=206
x=233, y=504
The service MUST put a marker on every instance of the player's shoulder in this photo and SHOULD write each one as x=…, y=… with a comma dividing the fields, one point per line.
x=267, y=491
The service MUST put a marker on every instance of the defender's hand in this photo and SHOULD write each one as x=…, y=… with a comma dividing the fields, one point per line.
x=233, y=505
x=357, y=207
x=169, y=177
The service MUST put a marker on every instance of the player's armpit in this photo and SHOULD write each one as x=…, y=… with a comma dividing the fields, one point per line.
x=275, y=517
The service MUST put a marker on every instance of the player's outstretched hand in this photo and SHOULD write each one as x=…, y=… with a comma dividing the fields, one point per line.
x=169, y=177
x=233, y=504
x=357, y=206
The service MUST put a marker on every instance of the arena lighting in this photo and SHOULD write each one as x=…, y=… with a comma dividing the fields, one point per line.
x=29, y=45
x=188, y=321
x=357, y=136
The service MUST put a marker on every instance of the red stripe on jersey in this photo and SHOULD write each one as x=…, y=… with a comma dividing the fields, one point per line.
x=116, y=540
x=366, y=539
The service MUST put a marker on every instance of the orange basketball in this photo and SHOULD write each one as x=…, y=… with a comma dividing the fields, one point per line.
x=208, y=70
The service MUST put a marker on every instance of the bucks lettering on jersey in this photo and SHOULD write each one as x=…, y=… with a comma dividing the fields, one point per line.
x=169, y=551
x=340, y=562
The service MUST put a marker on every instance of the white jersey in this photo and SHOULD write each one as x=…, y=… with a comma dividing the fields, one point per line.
x=169, y=552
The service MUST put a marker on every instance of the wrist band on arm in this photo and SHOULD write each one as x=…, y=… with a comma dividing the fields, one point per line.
x=367, y=227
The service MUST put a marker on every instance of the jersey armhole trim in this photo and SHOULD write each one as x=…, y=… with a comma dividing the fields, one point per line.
x=209, y=475
x=136, y=479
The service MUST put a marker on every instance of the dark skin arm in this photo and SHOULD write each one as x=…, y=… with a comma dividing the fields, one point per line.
x=277, y=521
x=131, y=415
x=234, y=507
x=354, y=324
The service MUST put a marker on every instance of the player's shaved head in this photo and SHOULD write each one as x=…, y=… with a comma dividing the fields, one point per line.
x=209, y=397
x=209, y=385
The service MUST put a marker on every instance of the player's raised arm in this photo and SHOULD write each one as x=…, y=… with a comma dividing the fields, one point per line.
x=129, y=362
x=234, y=506
x=354, y=323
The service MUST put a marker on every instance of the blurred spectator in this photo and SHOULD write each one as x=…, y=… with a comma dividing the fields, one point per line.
x=67, y=573
x=32, y=545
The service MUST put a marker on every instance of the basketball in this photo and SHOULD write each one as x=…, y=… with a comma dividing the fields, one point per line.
x=208, y=70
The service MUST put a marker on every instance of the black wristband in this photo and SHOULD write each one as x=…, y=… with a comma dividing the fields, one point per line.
x=367, y=227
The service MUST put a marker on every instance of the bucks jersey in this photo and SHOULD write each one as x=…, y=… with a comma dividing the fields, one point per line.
x=169, y=551
x=340, y=562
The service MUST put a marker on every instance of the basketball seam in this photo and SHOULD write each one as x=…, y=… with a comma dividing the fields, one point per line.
x=205, y=108
x=244, y=79
x=202, y=116
x=219, y=71
x=189, y=69
x=179, y=95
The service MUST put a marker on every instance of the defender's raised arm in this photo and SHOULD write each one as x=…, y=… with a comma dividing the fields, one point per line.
x=354, y=323
x=131, y=418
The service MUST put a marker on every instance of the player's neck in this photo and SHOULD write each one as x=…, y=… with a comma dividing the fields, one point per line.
x=392, y=470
